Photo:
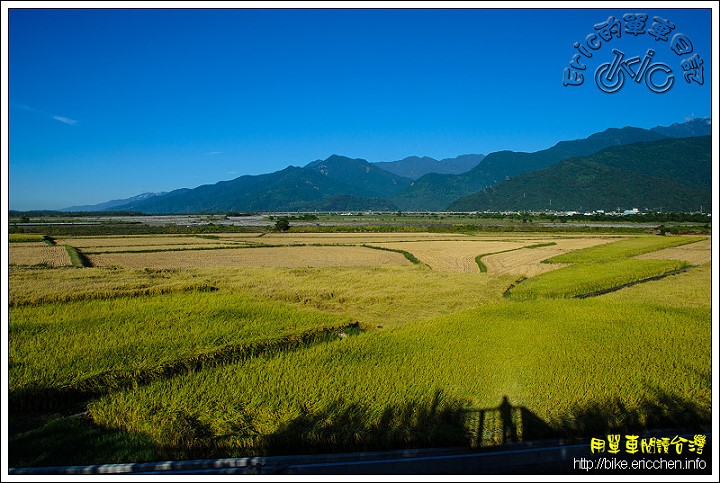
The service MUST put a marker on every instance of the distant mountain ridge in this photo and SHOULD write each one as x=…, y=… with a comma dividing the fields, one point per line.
x=292, y=189
x=361, y=177
x=691, y=128
x=112, y=204
x=414, y=167
x=436, y=192
x=340, y=183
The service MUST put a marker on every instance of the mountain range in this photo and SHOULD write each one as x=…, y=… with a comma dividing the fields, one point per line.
x=414, y=167
x=635, y=162
x=671, y=174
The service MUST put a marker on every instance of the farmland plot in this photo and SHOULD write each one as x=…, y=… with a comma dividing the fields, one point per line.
x=459, y=255
x=356, y=238
x=139, y=327
x=144, y=242
x=528, y=261
x=31, y=253
x=453, y=256
x=292, y=257
x=695, y=253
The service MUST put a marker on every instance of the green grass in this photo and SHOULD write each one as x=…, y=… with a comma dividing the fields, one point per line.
x=25, y=237
x=412, y=258
x=77, y=259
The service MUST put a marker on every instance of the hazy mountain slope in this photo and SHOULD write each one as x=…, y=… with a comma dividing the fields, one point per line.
x=414, y=167
x=110, y=205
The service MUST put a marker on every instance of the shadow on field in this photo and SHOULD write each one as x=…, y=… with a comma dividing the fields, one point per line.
x=505, y=424
x=446, y=421
x=72, y=441
x=349, y=426
x=658, y=409
x=346, y=426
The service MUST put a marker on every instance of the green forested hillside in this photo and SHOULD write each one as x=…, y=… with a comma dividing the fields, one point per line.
x=666, y=175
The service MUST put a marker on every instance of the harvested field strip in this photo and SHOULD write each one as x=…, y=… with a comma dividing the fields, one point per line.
x=131, y=242
x=482, y=266
x=452, y=256
x=39, y=398
x=530, y=262
x=360, y=238
x=462, y=256
x=292, y=257
x=695, y=253
x=178, y=248
x=39, y=254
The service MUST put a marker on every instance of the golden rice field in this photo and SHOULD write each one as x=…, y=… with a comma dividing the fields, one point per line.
x=695, y=253
x=95, y=243
x=38, y=253
x=153, y=243
x=184, y=347
x=457, y=253
x=289, y=256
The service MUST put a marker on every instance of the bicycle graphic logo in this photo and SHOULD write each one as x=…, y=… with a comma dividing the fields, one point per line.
x=610, y=77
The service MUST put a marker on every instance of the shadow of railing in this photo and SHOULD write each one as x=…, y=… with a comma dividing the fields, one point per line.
x=506, y=424
x=656, y=410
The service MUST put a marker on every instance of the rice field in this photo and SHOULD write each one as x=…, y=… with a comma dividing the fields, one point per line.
x=116, y=243
x=697, y=253
x=231, y=345
x=528, y=261
x=289, y=256
x=38, y=253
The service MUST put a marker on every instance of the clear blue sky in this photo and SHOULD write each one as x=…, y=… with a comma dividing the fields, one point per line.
x=110, y=103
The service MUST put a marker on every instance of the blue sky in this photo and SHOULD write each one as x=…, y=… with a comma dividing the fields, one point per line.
x=110, y=103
